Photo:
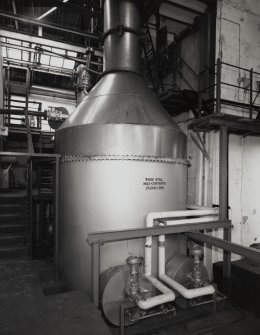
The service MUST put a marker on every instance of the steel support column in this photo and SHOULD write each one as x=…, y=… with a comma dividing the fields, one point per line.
x=56, y=218
x=1, y=103
x=251, y=94
x=218, y=87
x=95, y=270
x=223, y=194
x=30, y=202
x=157, y=53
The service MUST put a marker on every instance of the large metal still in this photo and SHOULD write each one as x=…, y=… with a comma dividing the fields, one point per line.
x=122, y=154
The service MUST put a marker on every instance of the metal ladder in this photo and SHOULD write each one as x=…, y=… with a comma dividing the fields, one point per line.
x=150, y=59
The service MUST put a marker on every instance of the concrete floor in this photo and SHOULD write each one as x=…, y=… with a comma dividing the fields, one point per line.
x=24, y=309
x=30, y=303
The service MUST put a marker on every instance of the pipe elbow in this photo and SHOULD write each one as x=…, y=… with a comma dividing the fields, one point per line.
x=198, y=292
x=188, y=293
x=166, y=296
x=149, y=219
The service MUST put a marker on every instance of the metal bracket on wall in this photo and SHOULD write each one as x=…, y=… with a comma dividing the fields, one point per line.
x=201, y=145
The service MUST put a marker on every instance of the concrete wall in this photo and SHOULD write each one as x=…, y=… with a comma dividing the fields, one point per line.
x=238, y=43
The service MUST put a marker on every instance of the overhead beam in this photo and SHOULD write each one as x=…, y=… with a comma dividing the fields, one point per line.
x=26, y=19
x=41, y=40
x=47, y=52
x=235, y=248
x=190, y=5
x=135, y=233
x=152, y=9
x=168, y=18
x=168, y=11
x=14, y=10
x=11, y=63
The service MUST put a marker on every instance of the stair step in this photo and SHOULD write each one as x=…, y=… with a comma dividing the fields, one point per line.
x=14, y=252
x=13, y=218
x=12, y=229
x=12, y=208
x=12, y=200
x=12, y=240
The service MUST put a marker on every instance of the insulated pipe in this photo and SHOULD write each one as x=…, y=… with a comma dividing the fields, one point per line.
x=189, y=294
x=172, y=214
x=166, y=296
x=186, y=293
x=198, y=207
x=193, y=220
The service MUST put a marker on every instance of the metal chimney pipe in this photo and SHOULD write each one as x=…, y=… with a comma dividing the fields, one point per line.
x=122, y=27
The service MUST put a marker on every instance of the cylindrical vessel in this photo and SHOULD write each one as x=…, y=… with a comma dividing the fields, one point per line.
x=122, y=157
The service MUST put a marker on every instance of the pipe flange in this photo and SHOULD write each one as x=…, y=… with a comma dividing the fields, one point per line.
x=169, y=160
x=120, y=30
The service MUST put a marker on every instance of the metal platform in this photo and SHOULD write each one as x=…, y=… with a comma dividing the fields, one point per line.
x=236, y=124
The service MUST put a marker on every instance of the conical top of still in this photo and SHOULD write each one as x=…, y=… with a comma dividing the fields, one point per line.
x=121, y=96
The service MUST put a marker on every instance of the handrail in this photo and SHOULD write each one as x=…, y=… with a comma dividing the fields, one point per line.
x=239, y=67
x=187, y=65
x=180, y=72
x=219, y=83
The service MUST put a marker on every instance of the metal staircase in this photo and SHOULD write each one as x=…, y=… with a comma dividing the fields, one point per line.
x=180, y=95
x=13, y=227
x=149, y=60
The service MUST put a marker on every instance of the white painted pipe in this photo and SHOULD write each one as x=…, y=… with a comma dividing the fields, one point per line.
x=186, y=293
x=198, y=207
x=189, y=293
x=148, y=256
x=156, y=215
x=193, y=220
x=174, y=214
x=148, y=240
x=166, y=296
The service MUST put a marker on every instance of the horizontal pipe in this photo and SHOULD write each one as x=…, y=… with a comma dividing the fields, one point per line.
x=174, y=214
x=198, y=207
x=191, y=221
x=166, y=296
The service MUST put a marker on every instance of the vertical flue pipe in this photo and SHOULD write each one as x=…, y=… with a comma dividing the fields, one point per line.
x=122, y=27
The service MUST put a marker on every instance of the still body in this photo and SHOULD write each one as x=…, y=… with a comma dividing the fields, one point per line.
x=111, y=194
